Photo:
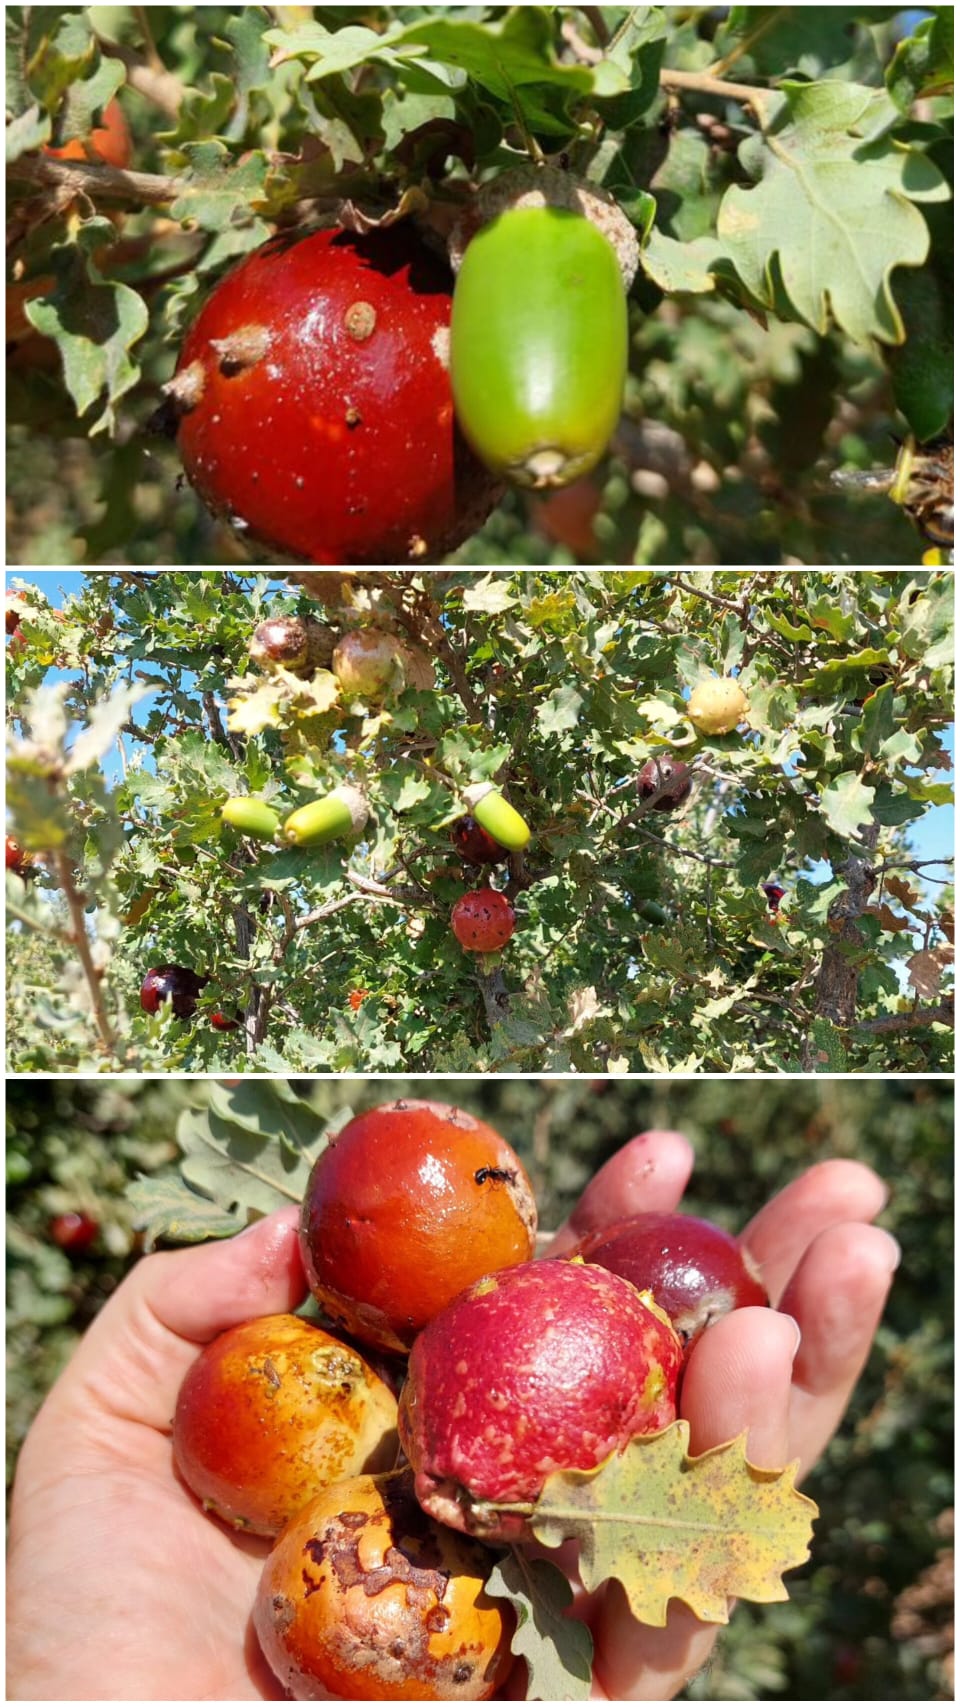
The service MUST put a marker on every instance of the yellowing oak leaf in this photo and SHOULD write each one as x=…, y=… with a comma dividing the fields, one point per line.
x=668, y=1526
x=319, y=691
x=251, y=712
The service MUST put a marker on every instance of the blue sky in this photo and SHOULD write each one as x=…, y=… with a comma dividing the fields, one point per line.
x=930, y=838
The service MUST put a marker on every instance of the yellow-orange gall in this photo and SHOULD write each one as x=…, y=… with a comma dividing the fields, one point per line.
x=272, y=1411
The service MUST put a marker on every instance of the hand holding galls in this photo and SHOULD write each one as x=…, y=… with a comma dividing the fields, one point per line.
x=105, y=1427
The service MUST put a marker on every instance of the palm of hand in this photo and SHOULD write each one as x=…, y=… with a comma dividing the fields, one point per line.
x=173, y=1588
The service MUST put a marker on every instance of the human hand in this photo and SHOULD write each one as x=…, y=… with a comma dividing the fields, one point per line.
x=147, y=1598
x=783, y=1375
x=119, y=1586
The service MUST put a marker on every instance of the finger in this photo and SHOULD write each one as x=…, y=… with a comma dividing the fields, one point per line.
x=828, y=1193
x=134, y=1355
x=201, y=1292
x=837, y=1295
x=737, y=1380
x=649, y=1172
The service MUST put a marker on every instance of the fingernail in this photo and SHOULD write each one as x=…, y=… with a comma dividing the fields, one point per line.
x=894, y=1252
x=796, y=1328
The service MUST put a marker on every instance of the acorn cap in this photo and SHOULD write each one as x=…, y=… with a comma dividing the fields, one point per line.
x=478, y=791
x=356, y=804
x=548, y=186
x=331, y=817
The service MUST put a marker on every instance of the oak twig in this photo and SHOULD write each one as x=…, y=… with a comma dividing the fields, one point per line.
x=940, y=1014
x=116, y=182
x=81, y=943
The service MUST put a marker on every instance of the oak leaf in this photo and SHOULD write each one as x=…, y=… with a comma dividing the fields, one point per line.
x=668, y=1526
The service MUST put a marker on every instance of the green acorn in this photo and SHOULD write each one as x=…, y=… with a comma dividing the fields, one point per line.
x=538, y=334
x=332, y=817
x=252, y=817
x=653, y=913
x=495, y=815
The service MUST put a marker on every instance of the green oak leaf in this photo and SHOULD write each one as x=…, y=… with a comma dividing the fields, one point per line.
x=558, y=1650
x=831, y=214
x=847, y=804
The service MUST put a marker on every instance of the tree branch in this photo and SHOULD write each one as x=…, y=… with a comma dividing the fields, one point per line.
x=154, y=82
x=115, y=182
x=496, y=996
x=836, y=983
x=424, y=623
x=81, y=942
x=941, y=1014
x=710, y=598
x=702, y=83
x=684, y=853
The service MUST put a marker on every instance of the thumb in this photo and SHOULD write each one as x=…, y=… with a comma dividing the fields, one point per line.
x=134, y=1355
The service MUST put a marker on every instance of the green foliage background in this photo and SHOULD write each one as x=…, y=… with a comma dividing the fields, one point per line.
x=752, y=378
x=644, y=942
x=884, y=1482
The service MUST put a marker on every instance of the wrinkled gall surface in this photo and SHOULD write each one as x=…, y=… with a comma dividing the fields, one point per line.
x=365, y=1599
x=274, y=1410
x=696, y=1271
x=409, y=1204
x=548, y=1366
x=314, y=401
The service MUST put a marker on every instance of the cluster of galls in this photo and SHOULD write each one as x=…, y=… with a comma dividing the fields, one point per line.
x=417, y=1232
x=368, y=664
x=483, y=920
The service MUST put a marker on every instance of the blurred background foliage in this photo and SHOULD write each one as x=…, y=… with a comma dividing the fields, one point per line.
x=870, y=1617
